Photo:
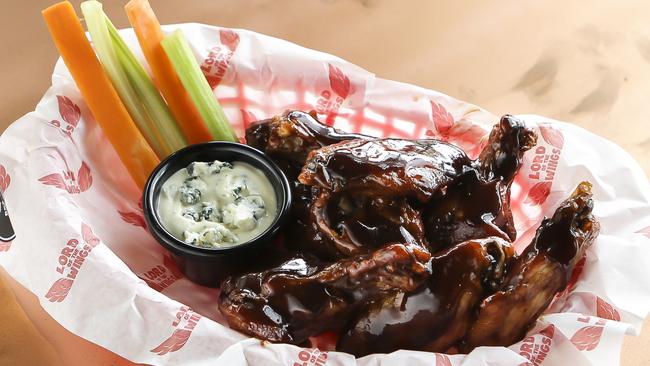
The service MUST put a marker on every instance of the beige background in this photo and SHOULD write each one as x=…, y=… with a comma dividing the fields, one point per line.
x=584, y=61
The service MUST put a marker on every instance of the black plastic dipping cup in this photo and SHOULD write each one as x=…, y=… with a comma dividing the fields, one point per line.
x=209, y=266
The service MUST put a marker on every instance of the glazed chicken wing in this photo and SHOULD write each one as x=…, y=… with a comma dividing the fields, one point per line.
x=289, y=138
x=299, y=299
x=538, y=274
x=387, y=167
x=350, y=224
x=416, y=168
x=458, y=305
x=438, y=314
x=460, y=199
x=376, y=178
x=502, y=156
x=477, y=204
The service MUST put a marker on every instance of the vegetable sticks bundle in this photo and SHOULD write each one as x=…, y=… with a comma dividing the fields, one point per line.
x=145, y=121
x=197, y=86
x=98, y=92
x=147, y=29
x=136, y=89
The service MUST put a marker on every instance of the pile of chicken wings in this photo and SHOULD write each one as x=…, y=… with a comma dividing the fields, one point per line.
x=403, y=244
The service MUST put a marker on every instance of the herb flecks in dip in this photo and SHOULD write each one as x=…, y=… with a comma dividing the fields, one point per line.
x=217, y=204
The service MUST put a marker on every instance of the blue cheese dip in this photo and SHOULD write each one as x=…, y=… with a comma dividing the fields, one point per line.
x=217, y=204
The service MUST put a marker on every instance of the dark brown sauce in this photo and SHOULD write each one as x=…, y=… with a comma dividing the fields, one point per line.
x=470, y=208
x=368, y=212
x=300, y=299
x=395, y=168
x=538, y=274
x=437, y=315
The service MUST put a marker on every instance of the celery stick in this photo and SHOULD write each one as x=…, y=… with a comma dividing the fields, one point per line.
x=132, y=83
x=165, y=123
x=184, y=62
x=94, y=18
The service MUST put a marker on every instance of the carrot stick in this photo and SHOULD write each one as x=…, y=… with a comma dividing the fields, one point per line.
x=98, y=92
x=147, y=29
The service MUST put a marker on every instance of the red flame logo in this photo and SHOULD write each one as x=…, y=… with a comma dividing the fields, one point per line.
x=606, y=311
x=85, y=178
x=442, y=360
x=68, y=182
x=247, y=117
x=59, y=290
x=325, y=341
x=229, y=38
x=538, y=193
x=171, y=265
x=5, y=179
x=552, y=136
x=548, y=331
x=173, y=343
x=339, y=83
x=645, y=231
x=133, y=218
x=442, y=119
x=587, y=338
x=88, y=236
x=69, y=111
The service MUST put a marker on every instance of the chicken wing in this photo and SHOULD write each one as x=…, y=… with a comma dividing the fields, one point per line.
x=386, y=167
x=289, y=138
x=438, y=314
x=502, y=156
x=538, y=274
x=471, y=208
x=477, y=204
x=347, y=225
x=300, y=299
x=460, y=199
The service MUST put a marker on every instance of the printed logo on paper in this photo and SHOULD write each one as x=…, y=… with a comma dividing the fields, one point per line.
x=645, y=231
x=69, y=112
x=470, y=136
x=135, y=218
x=443, y=121
x=544, y=165
x=588, y=337
x=163, y=275
x=7, y=234
x=330, y=100
x=311, y=357
x=70, y=260
x=215, y=65
x=606, y=311
x=70, y=182
x=535, y=348
x=185, y=322
x=442, y=360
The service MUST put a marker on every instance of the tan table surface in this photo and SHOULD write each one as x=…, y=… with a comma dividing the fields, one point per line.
x=582, y=61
